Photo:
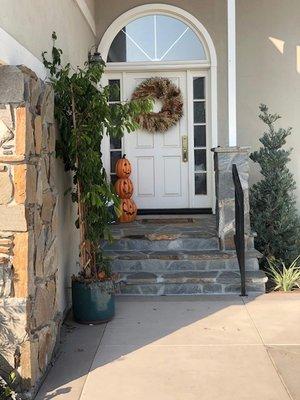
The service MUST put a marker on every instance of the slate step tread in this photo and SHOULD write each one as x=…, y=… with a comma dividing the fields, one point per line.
x=202, y=223
x=196, y=277
x=191, y=234
x=145, y=245
x=178, y=255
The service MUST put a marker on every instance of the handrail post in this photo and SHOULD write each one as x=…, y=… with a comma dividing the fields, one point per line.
x=239, y=237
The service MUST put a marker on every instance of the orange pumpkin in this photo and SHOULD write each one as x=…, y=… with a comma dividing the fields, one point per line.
x=124, y=188
x=101, y=275
x=123, y=167
x=128, y=210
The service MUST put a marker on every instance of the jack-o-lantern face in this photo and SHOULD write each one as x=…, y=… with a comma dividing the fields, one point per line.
x=123, y=167
x=128, y=210
x=124, y=188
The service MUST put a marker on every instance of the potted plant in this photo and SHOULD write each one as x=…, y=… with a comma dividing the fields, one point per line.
x=84, y=116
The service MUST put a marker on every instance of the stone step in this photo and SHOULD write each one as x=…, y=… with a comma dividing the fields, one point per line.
x=180, y=261
x=205, y=224
x=189, y=282
x=148, y=245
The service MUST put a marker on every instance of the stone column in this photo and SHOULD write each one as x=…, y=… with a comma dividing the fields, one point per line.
x=224, y=158
x=28, y=224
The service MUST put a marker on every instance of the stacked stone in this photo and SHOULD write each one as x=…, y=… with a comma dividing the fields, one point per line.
x=224, y=158
x=28, y=221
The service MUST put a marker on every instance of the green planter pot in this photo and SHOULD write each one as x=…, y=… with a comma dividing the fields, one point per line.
x=93, y=303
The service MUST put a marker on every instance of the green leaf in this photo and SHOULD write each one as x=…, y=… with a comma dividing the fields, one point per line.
x=83, y=116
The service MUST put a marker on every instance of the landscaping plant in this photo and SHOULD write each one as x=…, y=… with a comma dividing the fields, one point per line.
x=273, y=210
x=6, y=391
x=285, y=278
x=84, y=116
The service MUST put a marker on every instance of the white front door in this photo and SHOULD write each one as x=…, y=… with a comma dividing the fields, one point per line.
x=162, y=177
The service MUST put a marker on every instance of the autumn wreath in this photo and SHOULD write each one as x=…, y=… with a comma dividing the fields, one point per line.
x=169, y=94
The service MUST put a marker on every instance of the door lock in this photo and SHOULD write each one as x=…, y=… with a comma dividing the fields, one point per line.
x=185, y=151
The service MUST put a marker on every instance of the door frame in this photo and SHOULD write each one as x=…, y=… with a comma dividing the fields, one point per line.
x=209, y=66
x=189, y=74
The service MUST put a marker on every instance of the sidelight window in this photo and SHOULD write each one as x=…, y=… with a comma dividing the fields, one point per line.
x=199, y=126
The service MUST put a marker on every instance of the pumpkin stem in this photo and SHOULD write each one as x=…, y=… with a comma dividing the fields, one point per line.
x=124, y=156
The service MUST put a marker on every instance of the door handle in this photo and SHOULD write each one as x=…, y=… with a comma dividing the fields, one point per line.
x=185, y=150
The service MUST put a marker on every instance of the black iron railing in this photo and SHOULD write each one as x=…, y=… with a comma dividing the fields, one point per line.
x=239, y=237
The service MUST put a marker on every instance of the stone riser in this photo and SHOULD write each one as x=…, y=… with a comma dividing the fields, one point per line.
x=187, y=289
x=198, y=277
x=156, y=265
x=162, y=245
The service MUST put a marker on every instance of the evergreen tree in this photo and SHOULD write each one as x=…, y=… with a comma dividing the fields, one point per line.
x=273, y=209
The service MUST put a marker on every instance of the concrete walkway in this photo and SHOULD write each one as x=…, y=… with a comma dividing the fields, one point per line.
x=182, y=348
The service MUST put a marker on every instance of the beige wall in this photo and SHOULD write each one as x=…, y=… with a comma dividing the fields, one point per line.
x=211, y=13
x=31, y=23
x=92, y=6
x=264, y=75
x=68, y=235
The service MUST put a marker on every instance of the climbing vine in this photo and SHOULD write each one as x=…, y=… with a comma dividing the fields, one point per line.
x=84, y=116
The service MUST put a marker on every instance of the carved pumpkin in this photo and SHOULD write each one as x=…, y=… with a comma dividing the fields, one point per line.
x=128, y=210
x=123, y=167
x=124, y=188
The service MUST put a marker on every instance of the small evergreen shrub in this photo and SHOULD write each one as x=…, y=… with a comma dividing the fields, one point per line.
x=272, y=200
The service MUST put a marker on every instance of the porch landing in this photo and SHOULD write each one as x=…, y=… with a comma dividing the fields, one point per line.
x=167, y=255
x=183, y=348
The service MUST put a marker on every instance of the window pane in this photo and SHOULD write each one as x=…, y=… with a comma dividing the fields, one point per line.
x=113, y=178
x=199, y=112
x=199, y=136
x=114, y=157
x=115, y=143
x=156, y=38
x=198, y=84
x=117, y=51
x=175, y=41
x=114, y=85
x=168, y=30
x=140, y=34
x=200, y=160
x=200, y=184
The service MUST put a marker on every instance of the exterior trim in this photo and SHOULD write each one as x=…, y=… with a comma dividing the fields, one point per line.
x=200, y=31
x=154, y=66
x=172, y=211
x=87, y=14
x=231, y=26
x=14, y=53
x=147, y=9
x=188, y=19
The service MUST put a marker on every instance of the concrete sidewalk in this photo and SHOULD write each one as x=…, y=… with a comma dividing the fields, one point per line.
x=183, y=348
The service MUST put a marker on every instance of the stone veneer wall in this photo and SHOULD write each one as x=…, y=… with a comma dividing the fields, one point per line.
x=224, y=158
x=28, y=224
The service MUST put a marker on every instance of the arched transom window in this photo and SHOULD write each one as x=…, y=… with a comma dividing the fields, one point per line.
x=157, y=38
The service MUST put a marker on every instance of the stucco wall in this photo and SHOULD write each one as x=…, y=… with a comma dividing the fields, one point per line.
x=92, y=6
x=265, y=75
x=31, y=23
x=211, y=13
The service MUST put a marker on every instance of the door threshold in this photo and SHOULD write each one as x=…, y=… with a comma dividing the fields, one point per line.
x=174, y=211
